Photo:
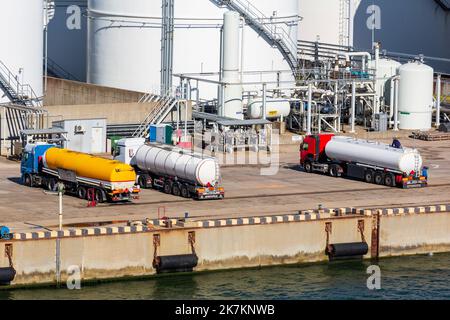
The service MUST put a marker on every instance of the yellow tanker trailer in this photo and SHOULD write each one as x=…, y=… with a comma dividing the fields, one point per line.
x=46, y=165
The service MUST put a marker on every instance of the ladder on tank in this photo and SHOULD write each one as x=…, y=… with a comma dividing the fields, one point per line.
x=163, y=106
x=274, y=35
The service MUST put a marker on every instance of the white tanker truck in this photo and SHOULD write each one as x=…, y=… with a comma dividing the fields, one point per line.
x=370, y=161
x=171, y=169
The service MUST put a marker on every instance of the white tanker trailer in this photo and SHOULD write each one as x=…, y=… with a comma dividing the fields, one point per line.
x=370, y=161
x=171, y=169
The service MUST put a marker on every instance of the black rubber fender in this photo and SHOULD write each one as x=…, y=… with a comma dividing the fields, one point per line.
x=351, y=249
x=7, y=275
x=176, y=263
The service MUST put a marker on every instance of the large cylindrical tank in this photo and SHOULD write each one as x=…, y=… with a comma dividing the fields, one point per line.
x=415, y=96
x=386, y=69
x=232, y=92
x=192, y=168
x=124, y=52
x=67, y=38
x=373, y=153
x=21, y=32
x=88, y=166
x=275, y=108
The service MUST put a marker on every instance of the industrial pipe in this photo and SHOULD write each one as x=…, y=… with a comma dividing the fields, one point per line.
x=438, y=101
x=308, y=128
x=352, y=130
x=396, y=85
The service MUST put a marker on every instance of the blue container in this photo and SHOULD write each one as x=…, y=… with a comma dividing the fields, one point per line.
x=152, y=135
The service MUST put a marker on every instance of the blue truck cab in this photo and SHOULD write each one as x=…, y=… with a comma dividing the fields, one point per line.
x=29, y=165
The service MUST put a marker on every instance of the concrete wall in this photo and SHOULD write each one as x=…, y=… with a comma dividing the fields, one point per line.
x=65, y=92
x=115, y=113
x=120, y=255
x=131, y=254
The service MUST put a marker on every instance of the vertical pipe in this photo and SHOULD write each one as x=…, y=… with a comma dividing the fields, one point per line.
x=242, y=48
x=396, y=105
x=352, y=130
x=308, y=127
x=350, y=23
x=264, y=101
x=391, y=102
x=438, y=101
x=220, y=88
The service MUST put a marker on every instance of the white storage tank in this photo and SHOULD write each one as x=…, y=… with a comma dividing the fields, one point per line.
x=386, y=69
x=415, y=96
x=175, y=162
x=122, y=51
x=275, y=108
x=233, y=90
x=124, y=42
x=21, y=32
x=373, y=153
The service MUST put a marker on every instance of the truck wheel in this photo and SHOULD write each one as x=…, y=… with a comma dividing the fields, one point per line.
x=167, y=188
x=28, y=181
x=142, y=182
x=185, y=192
x=368, y=176
x=379, y=178
x=333, y=171
x=176, y=191
x=308, y=166
x=389, y=180
x=51, y=185
x=99, y=198
x=81, y=192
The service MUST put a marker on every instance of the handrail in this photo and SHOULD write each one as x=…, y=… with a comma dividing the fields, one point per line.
x=23, y=92
x=272, y=33
x=54, y=67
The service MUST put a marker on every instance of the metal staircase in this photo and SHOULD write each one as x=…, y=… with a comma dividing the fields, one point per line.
x=24, y=110
x=164, y=105
x=274, y=35
x=16, y=92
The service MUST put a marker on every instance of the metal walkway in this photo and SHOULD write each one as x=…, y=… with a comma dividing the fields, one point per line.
x=274, y=35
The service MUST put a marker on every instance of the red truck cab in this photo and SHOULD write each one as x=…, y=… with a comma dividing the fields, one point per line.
x=313, y=147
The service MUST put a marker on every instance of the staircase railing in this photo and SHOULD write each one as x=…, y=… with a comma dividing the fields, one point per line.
x=164, y=105
x=55, y=69
x=272, y=33
x=17, y=92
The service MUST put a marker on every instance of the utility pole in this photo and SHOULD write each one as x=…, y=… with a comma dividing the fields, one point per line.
x=58, y=238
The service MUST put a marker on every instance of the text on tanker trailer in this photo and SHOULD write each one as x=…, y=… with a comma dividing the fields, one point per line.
x=370, y=161
x=45, y=165
x=172, y=169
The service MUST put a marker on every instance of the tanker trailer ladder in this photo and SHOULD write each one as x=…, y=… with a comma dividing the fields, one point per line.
x=348, y=250
x=7, y=274
x=174, y=263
